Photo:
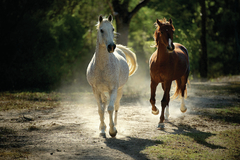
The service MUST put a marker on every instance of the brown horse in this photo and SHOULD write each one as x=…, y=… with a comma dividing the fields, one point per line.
x=169, y=62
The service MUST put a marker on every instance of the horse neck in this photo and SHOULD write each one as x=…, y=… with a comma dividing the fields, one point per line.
x=102, y=54
x=162, y=53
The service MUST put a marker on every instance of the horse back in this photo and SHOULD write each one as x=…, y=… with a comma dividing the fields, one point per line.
x=179, y=48
x=181, y=59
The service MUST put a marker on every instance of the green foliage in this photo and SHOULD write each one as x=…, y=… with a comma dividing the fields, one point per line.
x=45, y=45
x=223, y=56
x=50, y=42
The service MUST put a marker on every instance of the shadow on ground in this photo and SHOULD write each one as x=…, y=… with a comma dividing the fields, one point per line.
x=132, y=146
x=199, y=136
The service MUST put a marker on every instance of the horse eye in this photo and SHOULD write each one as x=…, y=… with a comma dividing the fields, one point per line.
x=113, y=29
x=101, y=30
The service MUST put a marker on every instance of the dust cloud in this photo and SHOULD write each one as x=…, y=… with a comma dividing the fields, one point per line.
x=135, y=108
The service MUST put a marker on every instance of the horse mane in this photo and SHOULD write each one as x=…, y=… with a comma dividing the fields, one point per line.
x=157, y=33
x=156, y=37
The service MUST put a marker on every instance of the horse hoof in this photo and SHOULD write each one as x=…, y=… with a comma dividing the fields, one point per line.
x=166, y=120
x=160, y=126
x=183, y=110
x=155, y=112
x=113, y=134
x=103, y=135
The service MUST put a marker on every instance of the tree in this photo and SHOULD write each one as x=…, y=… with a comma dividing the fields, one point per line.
x=203, y=67
x=42, y=43
x=123, y=17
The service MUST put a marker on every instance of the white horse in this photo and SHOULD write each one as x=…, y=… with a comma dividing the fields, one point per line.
x=108, y=71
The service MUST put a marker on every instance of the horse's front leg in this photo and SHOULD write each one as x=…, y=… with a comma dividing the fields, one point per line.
x=113, y=96
x=101, y=102
x=117, y=104
x=153, y=86
x=165, y=102
x=166, y=115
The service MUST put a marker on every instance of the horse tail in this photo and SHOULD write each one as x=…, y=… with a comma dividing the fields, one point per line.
x=131, y=59
x=179, y=88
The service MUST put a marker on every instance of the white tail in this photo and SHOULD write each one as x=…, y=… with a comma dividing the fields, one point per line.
x=131, y=59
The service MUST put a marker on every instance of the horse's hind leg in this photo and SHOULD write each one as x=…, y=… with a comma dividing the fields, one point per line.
x=183, y=80
x=166, y=115
x=113, y=96
x=101, y=102
x=117, y=104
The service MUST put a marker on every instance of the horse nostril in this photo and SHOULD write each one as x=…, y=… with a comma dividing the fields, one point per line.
x=111, y=47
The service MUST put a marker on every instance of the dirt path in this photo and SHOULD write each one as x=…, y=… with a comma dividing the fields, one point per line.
x=71, y=130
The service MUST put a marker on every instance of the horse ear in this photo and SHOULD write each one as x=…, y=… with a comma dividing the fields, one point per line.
x=100, y=18
x=170, y=21
x=110, y=18
x=159, y=23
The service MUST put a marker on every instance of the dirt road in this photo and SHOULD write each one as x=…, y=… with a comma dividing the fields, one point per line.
x=70, y=131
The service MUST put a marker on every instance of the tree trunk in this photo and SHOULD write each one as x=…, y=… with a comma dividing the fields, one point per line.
x=123, y=17
x=203, y=68
x=123, y=30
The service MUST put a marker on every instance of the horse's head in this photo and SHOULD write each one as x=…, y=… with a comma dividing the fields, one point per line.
x=164, y=33
x=106, y=33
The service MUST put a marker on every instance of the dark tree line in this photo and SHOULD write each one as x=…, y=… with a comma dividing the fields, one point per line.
x=48, y=43
x=203, y=66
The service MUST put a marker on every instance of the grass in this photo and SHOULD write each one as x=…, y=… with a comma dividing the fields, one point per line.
x=27, y=100
x=228, y=110
x=205, y=145
x=13, y=154
x=224, y=89
x=7, y=149
x=217, y=145
x=30, y=101
x=202, y=145
x=193, y=145
x=37, y=100
x=227, y=114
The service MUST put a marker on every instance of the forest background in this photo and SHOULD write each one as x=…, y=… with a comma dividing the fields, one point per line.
x=49, y=43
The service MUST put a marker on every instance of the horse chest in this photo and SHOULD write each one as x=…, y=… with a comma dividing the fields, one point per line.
x=159, y=72
x=105, y=75
x=107, y=71
x=103, y=78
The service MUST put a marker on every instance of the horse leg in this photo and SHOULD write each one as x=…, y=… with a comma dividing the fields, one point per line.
x=117, y=104
x=183, y=108
x=101, y=102
x=164, y=102
x=166, y=115
x=153, y=86
x=113, y=96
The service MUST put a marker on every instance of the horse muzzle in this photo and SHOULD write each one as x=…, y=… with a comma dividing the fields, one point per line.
x=111, y=47
x=170, y=48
